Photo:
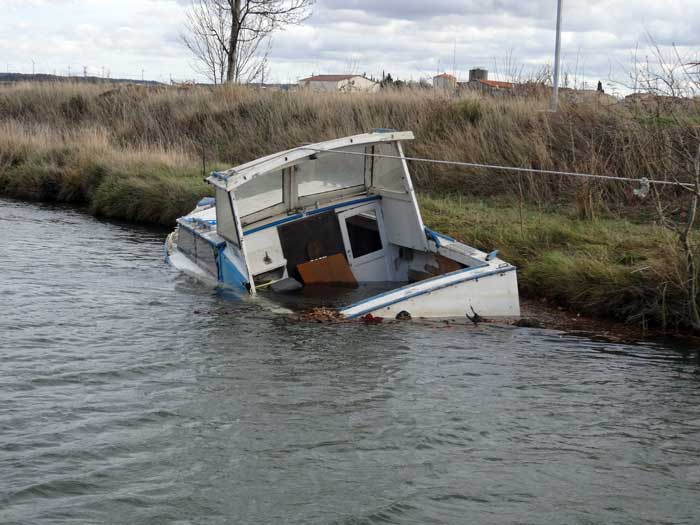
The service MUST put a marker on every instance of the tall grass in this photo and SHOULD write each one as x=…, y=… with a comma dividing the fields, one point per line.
x=231, y=125
x=143, y=183
x=136, y=153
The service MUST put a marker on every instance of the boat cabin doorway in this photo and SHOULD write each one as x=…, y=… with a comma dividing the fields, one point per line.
x=365, y=242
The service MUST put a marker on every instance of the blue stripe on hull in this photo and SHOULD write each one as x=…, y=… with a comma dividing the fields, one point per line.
x=229, y=274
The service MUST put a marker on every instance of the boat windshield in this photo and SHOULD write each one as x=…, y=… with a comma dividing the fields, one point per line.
x=318, y=178
x=265, y=191
x=331, y=172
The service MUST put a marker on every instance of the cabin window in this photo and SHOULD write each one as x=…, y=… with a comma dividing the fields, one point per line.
x=363, y=233
x=387, y=173
x=186, y=242
x=331, y=172
x=225, y=219
x=264, y=191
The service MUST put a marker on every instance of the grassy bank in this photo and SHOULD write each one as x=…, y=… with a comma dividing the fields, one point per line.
x=135, y=153
x=609, y=268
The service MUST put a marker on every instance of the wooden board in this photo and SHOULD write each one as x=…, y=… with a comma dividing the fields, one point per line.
x=333, y=269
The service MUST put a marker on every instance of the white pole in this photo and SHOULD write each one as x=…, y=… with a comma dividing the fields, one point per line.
x=557, y=51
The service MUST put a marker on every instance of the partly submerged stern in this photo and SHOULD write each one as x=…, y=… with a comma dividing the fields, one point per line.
x=490, y=291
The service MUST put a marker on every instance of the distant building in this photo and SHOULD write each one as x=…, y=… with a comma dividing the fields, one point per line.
x=479, y=81
x=478, y=73
x=445, y=82
x=340, y=83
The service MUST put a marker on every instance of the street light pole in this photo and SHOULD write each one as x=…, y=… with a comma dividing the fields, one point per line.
x=557, y=51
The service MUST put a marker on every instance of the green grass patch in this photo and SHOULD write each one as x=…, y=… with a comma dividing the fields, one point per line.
x=154, y=198
x=609, y=267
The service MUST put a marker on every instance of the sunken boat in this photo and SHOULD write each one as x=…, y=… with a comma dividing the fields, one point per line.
x=343, y=213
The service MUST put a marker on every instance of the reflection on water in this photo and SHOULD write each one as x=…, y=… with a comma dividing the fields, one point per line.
x=120, y=404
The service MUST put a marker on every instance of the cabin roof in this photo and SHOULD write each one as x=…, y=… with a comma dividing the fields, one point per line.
x=239, y=175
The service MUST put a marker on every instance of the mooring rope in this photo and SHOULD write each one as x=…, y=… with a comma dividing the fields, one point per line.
x=645, y=182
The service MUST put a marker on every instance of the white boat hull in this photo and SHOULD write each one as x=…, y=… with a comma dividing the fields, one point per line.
x=490, y=292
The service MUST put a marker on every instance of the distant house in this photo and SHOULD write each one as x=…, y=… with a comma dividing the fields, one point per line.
x=479, y=81
x=445, y=82
x=340, y=83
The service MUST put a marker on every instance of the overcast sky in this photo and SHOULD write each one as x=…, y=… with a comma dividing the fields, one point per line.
x=409, y=38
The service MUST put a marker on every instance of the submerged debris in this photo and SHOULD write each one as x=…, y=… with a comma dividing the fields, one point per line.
x=476, y=318
x=370, y=319
x=322, y=315
x=329, y=315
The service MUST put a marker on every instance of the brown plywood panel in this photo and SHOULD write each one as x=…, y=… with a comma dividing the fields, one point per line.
x=333, y=269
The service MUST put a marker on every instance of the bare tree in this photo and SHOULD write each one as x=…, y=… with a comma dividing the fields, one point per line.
x=205, y=34
x=662, y=71
x=674, y=82
x=231, y=39
x=682, y=219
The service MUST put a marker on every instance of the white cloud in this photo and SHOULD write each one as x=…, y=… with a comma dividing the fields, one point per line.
x=409, y=38
x=124, y=37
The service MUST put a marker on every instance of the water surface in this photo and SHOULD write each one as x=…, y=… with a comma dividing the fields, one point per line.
x=120, y=404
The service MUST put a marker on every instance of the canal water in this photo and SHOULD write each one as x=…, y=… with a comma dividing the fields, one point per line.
x=132, y=394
